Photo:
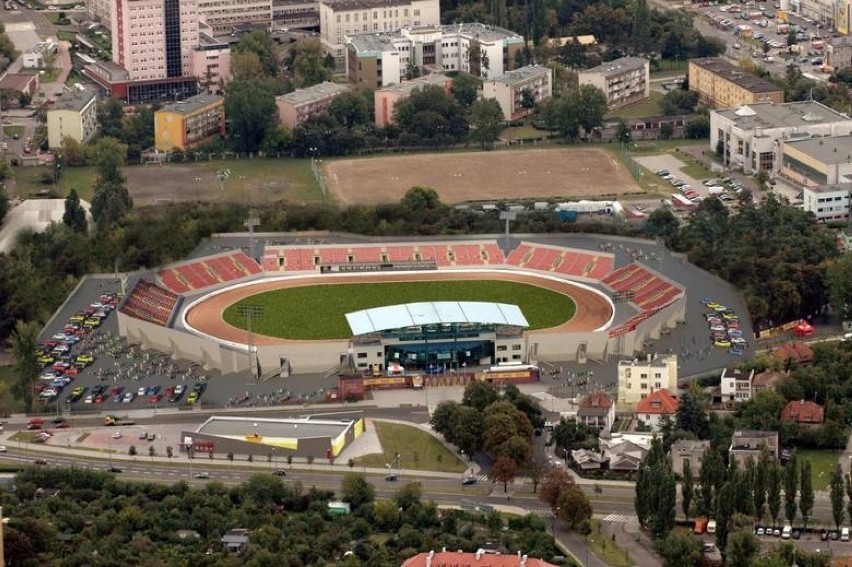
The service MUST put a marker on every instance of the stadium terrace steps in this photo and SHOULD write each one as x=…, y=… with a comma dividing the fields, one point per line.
x=150, y=302
x=208, y=272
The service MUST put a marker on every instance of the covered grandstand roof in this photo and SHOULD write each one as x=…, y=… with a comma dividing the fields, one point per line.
x=434, y=313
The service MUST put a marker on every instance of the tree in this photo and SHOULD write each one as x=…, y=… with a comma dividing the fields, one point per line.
x=443, y=416
x=152, y=452
x=73, y=152
x=110, y=115
x=663, y=224
x=555, y=483
x=760, y=480
x=666, y=131
x=773, y=492
x=465, y=89
x=742, y=548
x=486, y=122
x=806, y=495
x=349, y=109
x=75, y=215
x=355, y=490
x=536, y=467
x=679, y=549
x=791, y=485
x=724, y=515
x=836, y=496
x=132, y=451
x=839, y=279
x=111, y=200
x=250, y=106
x=591, y=108
x=692, y=414
x=310, y=67
x=698, y=128
x=679, y=101
x=259, y=43
x=4, y=204
x=23, y=343
x=504, y=470
x=478, y=395
x=574, y=507
x=687, y=489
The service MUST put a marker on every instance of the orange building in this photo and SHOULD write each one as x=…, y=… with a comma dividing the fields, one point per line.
x=386, y=98
x=184, y=124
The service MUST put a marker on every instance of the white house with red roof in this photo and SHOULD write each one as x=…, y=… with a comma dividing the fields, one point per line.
x=652, y=410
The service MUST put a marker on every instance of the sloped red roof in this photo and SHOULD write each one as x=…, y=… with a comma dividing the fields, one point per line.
x=803, y=412
x=596, y=400
x=661, y=402
x=795, y=351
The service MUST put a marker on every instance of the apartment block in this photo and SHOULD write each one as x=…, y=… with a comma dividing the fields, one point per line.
x=752, y=137
x=828, y=202
x=378, y=60
x=342, y=18
x=624, y=81
x=299, y=105
x=510, y=90
x=386, y=98
x=720, y=84
x=295, y=14
x=211, y=62
x=184, y=124
x=154, y=39
x=74, y=115
x=637, y=378
x=747, y=445
x=224, y=16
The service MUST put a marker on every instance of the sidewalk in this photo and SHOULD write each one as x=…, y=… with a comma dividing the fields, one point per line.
x=630, y=538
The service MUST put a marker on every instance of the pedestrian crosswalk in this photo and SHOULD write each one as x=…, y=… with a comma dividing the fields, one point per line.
x=620, y=518
x=546, y=513
x=479, y=477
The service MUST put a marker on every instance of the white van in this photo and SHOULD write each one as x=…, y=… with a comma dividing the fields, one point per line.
x=787, y=532
x=711, y=527
x=844, y=534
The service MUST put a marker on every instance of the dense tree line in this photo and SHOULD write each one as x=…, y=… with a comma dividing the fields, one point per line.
x=777, y=254
x=95, y=515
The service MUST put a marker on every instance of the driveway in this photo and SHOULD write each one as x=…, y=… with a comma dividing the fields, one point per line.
x=674, y=165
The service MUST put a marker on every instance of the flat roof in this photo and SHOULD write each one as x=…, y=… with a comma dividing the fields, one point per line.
x=522, y=74
x=363, y=4
x=75, y=100
x=384, y=41
x=826, y=150
x=786, y=115
x=192, y=104
x=833, y=188
x=436, y=79
x=302, y=428
x=434, y=313
x=618, y=66
x=315, y=92
x=729, y=72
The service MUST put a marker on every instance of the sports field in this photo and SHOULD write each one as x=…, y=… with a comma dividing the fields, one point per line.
x=318, y=312
x=570, y=173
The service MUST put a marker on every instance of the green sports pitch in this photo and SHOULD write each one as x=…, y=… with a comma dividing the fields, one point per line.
x=318, y=312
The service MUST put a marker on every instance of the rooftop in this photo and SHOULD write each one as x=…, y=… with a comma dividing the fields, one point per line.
x=482, y=558
x=207, y=41
x=192, y=104
x=75, y=100
x=596, y=400
x=436, y=79
x=691, y=445
x=385, y=41
x=314, y=93
x=786, y=115
x=729, y=72
x=434, y=313
x=803, y=412
x=522, y=75
x=273, y=430
x=660, y=402
x=618, y=66
x=827, y=150
x=344, y=5
x=766, y=379
x=16, y=82
x=832, y=188
x=794, y=351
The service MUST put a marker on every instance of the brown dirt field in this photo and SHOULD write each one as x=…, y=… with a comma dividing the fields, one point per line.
x=592, y=310
x=480, y=176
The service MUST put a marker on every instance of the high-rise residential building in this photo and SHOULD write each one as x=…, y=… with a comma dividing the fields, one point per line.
x=75, y=115
x=720, y=84
x=301, y=104
x=224, y=16
x=211, y=62
x=154, y=39
x=342, y=18
x=511, y=89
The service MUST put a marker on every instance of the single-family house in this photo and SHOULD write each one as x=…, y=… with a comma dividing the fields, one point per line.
x=587, y=459
x=235, y=541
x=653, y=410
x=749, y=444
x=804, y=412
x=735, y=385
x=691, y=450
x=794, y=352
x=765, y=380
x=597, y=410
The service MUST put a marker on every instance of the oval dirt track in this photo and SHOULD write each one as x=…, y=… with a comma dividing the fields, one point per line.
x=206, y=316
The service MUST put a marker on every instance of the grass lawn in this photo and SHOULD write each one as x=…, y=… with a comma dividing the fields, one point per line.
x=603, y=546
x=695, y=168
x=10, y=131
x=823, y=462
x=322, y=308
x=67, y=36
x=524, y=133
x=416, y=448
x=650, y=107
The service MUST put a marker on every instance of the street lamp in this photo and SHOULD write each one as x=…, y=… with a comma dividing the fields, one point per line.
x=222, y=175
x=197, y=183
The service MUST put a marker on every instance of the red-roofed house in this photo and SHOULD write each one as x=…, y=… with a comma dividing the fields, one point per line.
x=794, y=352
x=803, y=412
x=597, y=410
x=655, y=407
x=481, y=558
x=18, y=83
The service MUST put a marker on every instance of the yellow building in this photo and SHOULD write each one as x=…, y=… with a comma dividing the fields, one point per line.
x=719, y=84
x=184, y=124
x=74, y=115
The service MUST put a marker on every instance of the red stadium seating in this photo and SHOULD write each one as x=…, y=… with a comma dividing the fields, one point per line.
x=150, y=302
x=207, y=272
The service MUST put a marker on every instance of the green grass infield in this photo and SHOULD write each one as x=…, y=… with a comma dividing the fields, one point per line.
x=318, y=312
